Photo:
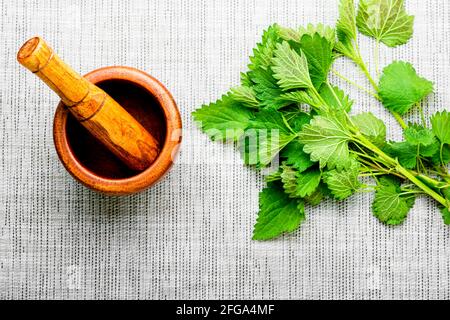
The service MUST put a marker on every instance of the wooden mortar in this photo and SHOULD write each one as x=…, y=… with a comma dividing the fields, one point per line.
x=147, y=106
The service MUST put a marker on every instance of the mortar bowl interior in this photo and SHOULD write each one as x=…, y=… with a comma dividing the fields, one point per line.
x=88, y=161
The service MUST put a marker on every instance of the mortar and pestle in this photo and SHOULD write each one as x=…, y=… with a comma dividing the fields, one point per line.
x=116, y=130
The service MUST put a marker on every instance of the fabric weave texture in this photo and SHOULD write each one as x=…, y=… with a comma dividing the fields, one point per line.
x=189, y=237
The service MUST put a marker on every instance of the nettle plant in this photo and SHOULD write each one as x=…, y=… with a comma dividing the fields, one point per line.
x=287, y=109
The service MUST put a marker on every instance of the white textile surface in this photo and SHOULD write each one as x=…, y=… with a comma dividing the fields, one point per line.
x=189, y=237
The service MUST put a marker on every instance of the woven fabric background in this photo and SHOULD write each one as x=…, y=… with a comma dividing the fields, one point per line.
x=189, y=237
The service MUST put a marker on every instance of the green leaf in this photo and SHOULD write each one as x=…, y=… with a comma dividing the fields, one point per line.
x=265, y=136
x=289, y=179
x=298, y=120
x=385, y=20
x=405, y=153
x=245, y=80
x=326, y=32
x=246, y=96
x=274, y=176
x=299, y=97
x=390, y=205
x=263, y=53
x=418, y=135
x=277, y=213
x=321, y=193
x=290, y=68
x=446, y=216
x=430, y=150
x=346, y=25
x=345, y=46
x=401, y=88
x=446, y=193
x=319, y=53
x=266, y=88
x=289, y=34
x=224, y=119
x=443, y=158
x=335, y=97
x=371, y=127
x=296, y=157
x=300, y=184
x=326, y=140
x=440, y=122
x=293, y=35
x=344, y=183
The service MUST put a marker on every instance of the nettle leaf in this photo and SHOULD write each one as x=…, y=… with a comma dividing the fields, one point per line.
x=400, y=87
x=288, y=179
x=245, y=95
x=318, y=195
x=224, y=119
x=277, y=213
x=422, y=140
x=371, y=127
x=446, y=216
x=390, y=206
x=299, y=97
x=345, y=47
x=405, y=153
x=265, y=136
x=346, y=25
x=298, y=120
x=442, y=156
x=326, y=32
x=264, y=51
x=295, y=35
x=245, y=80
x=300, y=184
x=408, y=153
x=440, y=122
x=290, y=68
x=385, y=20
x=266, y=88
x=418, y=135
x=344, y=183
x=319, y=53
x=335, y=97
x=296, y=157
x=326, y=140
x=289, y=34
x=273, y=176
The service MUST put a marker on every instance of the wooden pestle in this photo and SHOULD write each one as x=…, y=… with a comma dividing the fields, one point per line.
x=100, y=114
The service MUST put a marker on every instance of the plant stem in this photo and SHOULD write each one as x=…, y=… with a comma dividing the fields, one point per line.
x=405, y=172
x=422, y=116
x=360, y=62
x=364, y=69
x=334, y=94
x=377, y=58
x=373, y=94
x=399, y=119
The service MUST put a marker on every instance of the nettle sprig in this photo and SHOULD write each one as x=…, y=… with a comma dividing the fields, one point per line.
x=286, y=110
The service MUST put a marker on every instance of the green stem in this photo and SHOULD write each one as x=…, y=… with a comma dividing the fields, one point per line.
x=422, y=116
x=353, y=83
x=405, y=172
x=399, y=119
x=364, y=69
x=334, y=94
x=377, y=58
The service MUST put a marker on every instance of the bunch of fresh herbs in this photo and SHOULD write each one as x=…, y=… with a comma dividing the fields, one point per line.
x=286, y=109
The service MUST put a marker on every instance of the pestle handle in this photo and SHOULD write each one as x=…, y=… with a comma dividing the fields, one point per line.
x=100, y=114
